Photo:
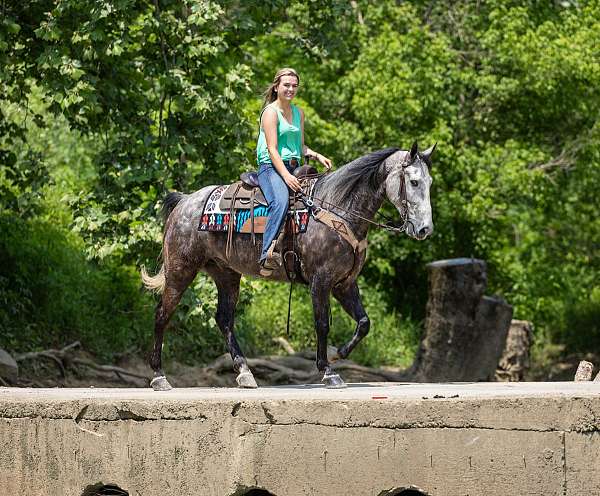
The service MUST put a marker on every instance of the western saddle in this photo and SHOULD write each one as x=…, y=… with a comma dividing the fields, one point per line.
x=246, y=194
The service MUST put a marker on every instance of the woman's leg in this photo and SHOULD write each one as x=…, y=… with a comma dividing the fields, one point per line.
x=277, y=195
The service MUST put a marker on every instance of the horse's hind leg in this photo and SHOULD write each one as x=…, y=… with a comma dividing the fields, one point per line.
x=228, y=287
x=175, y=285
x=349, y=298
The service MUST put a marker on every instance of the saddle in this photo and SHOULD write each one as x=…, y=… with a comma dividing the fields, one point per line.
x=246, y=194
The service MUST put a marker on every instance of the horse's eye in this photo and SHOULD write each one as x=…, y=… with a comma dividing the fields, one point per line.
x=414, y=182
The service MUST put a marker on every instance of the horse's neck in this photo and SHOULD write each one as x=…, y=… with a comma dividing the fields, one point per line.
x=363, y=201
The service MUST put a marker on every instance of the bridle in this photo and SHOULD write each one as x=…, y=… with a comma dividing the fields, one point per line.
x=309, y=201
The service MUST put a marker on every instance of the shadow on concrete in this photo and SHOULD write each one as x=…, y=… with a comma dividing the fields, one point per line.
x=101, y=489
x=411, y=491
x=253, y=492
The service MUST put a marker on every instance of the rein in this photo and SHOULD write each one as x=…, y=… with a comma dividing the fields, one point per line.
x=309, y=200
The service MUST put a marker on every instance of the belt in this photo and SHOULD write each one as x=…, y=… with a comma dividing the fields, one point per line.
x=293, y=162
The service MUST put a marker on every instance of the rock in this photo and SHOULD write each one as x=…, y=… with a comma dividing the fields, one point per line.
x=8, y=366
x=584, y=371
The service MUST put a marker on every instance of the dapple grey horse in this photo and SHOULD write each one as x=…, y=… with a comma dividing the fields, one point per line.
x=328, y=263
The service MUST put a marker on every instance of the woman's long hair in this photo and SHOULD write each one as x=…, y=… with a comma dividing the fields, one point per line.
x=270, y=95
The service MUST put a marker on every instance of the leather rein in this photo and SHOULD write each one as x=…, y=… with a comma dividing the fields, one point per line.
x=309, y=201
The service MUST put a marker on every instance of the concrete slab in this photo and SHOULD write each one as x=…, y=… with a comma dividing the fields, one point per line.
x=368, y=439
x=360, y=391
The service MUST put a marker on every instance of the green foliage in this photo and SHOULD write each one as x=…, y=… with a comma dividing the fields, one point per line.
x=159, y=83
x=54, y=295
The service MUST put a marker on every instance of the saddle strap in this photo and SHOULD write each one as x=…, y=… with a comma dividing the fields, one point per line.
x=252, y=198
x=231, y=227
x=340, y=226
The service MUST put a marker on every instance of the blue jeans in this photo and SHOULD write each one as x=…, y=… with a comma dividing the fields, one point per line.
x=277, y=195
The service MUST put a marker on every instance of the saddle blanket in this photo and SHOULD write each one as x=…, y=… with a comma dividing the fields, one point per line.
x=216, y=220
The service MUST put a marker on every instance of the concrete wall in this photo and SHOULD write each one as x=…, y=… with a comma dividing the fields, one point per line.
x=452, y=439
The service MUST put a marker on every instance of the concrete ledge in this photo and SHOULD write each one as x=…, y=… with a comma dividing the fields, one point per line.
x=368, y=439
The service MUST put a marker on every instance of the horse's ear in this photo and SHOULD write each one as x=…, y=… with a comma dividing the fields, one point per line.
x=428, y=153
x=414, y=149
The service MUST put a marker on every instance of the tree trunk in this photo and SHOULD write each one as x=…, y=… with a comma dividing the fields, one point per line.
x=465, y=331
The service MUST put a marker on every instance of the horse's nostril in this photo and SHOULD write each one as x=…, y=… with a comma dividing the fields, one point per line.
x=424, y=231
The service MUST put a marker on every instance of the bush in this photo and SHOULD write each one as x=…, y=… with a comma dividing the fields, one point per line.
x=52, y=295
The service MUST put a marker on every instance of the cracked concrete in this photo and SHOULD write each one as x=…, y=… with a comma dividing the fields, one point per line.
x=369, y=439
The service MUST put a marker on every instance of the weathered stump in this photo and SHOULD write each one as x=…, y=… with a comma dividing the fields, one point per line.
x=515, y=358
x=465, y=331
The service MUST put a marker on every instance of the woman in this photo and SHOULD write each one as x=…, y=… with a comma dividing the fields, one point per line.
x=279, y=150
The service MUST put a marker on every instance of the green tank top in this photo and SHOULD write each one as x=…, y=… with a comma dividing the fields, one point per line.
x=289, y=138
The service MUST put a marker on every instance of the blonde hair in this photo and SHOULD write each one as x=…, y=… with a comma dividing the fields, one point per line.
x=270, y=95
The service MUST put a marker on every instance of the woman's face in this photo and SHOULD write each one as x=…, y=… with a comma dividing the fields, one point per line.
x=287, y=87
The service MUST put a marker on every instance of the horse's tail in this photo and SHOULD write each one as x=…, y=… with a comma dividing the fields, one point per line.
x=155, y=284
x=170, y=203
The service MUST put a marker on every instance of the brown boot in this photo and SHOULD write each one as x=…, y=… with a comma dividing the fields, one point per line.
x=272, y=262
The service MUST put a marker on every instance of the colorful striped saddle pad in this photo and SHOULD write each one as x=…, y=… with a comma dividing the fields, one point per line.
x=216, y=219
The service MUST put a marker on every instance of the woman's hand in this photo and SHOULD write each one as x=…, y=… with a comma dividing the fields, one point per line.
x=323, y=160
x=292, y=182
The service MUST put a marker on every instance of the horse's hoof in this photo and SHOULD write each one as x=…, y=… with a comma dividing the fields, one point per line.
x=333, y=381
x=160, y=383
x=332, y=354
x=246, y=380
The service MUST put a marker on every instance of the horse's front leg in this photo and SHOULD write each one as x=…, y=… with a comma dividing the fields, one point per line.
x=320, y=289
x=349, y=298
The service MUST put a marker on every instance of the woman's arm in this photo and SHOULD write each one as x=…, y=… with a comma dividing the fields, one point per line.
x=269, y=125
x=307, y=151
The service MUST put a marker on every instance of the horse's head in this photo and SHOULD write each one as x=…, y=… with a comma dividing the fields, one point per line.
x=407, y=187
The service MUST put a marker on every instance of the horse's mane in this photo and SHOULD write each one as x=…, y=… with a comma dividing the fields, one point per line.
x=338, y=185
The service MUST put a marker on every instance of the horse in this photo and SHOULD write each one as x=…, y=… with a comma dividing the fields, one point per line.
x=329, y=262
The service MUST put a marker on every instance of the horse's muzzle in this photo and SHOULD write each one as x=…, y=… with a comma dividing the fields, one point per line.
x=424, y=232
x=421, y=233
